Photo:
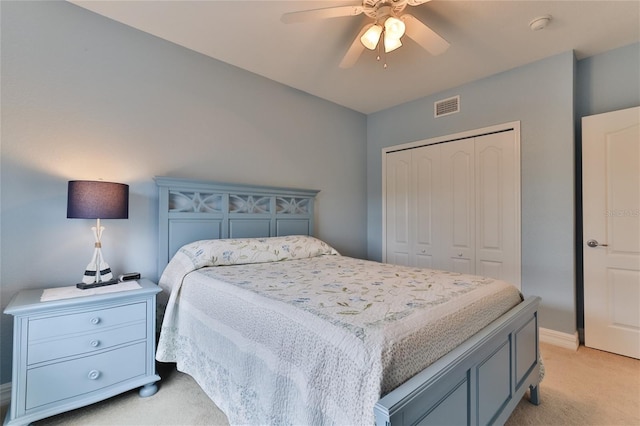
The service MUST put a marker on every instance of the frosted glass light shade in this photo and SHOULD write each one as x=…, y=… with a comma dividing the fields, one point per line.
x=371, y=37
x=394, y=27
x=391, y=43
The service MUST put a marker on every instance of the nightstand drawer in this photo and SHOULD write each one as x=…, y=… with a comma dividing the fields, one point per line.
x=61, y=325
x=50, y=349
x=67, y=379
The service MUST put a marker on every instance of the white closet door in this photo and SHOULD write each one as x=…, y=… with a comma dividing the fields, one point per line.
x=458, y=199
x=397, y=213
x=424, y=211
x=455, y=205
x=497, y=210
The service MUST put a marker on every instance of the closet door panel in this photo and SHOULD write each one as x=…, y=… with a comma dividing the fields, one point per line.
x=496, y=206
x=397, y=214
x=426, y=181
x=458, y=199
x=489, y=212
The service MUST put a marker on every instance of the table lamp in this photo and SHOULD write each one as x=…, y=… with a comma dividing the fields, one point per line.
x=88, y=199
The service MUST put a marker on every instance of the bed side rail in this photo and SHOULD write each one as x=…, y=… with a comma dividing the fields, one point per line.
x=480, y=382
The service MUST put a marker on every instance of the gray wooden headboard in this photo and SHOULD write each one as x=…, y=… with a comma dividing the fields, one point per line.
x=191, y=210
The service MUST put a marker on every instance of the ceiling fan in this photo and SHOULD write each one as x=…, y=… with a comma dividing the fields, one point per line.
x=389, y=25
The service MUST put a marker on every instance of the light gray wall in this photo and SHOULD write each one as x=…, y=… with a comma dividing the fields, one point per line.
x=608, y=82
x=540, y=96
x=84, y=97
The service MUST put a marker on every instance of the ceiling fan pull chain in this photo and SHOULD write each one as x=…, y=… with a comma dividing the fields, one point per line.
x=380, y=52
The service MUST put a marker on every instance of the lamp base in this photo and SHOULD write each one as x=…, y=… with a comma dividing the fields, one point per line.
x=84, y=286
x=97, y=269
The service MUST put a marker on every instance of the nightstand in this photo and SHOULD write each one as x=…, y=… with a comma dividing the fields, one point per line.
x=71, y=352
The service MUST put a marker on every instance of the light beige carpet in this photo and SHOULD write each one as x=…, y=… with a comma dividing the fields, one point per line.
x=584, y=387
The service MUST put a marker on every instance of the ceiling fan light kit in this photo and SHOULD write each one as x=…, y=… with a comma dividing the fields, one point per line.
x=392, y=32
x=389, y=24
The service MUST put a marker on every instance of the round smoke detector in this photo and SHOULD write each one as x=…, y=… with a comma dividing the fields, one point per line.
x=540, y=22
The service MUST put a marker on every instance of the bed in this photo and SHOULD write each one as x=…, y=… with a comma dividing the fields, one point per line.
x=278, y=328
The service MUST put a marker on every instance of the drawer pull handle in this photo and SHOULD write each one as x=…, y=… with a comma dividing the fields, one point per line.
x=93, y=374
x=95, y=343
x=95, y=320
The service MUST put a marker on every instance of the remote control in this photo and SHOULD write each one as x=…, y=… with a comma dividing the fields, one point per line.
x=129, y=276
x=83, y=286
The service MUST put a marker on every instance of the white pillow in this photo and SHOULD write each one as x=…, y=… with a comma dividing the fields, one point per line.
x=255, y=250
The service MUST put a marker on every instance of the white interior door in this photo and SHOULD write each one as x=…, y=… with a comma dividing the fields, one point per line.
x=611, y=231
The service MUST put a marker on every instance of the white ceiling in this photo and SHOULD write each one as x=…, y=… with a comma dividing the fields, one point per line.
x=486, y=37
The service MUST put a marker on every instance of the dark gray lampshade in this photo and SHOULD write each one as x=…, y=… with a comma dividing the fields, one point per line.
x=89, y=199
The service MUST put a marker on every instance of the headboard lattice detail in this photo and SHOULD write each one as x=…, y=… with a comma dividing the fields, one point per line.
x=195, y=202
x=191, y=210
x=249, y=204
x=293, y=205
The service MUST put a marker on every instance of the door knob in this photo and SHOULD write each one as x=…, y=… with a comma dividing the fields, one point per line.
x=594, y=243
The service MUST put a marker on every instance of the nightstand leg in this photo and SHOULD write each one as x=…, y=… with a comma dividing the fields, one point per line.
x=148, y=390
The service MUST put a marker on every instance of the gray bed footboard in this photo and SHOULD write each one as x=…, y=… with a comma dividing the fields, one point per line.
x=478, y=383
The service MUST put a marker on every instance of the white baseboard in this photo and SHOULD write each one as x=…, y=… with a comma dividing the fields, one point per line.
x=5, y=394
x=557, y=338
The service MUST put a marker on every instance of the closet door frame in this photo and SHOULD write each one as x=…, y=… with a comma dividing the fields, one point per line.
x=511, y=126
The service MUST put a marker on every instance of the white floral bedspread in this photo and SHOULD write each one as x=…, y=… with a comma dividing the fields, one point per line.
x=315, y=338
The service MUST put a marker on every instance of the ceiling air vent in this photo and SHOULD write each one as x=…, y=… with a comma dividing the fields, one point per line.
x=446, y=106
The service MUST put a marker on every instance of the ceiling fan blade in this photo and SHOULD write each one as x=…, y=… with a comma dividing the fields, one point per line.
x=417, y=2
x=355, y=50
x=424, y=36
x=329, y=12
